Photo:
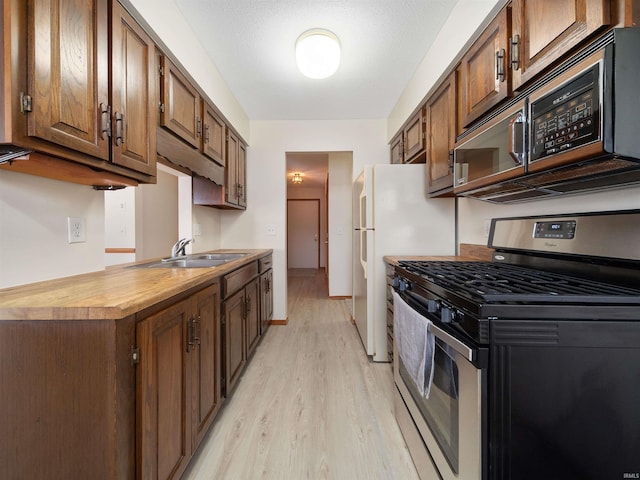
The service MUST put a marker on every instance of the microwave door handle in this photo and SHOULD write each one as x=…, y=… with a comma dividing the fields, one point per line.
x=516, y=138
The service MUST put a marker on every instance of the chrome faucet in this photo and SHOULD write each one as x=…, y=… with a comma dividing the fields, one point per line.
x=178, y=248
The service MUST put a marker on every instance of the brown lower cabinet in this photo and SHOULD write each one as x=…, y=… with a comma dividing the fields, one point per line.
x=130, y=397
x=178, y=383
x=240, y=321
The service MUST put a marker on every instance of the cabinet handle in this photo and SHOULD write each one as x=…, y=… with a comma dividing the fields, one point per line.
x=193, y=333
x=119, y=128
x=198, y=127
x=514, y=53
x=500, y=65
x=105, y=118
x=196, y=330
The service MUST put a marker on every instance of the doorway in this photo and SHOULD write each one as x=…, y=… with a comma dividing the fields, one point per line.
x=303, y=233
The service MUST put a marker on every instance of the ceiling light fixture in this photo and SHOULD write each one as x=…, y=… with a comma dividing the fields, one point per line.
x=297, y=178
x=318, y=53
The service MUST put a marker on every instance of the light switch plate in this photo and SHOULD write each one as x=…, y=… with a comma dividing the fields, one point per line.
x=77, y=233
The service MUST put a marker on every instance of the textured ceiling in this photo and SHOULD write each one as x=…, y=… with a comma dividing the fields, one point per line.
x=252, y=43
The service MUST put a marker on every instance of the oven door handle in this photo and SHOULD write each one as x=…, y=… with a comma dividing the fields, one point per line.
x=453, y=342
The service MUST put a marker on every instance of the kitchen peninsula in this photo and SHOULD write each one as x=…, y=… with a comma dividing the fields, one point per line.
x=118, y=374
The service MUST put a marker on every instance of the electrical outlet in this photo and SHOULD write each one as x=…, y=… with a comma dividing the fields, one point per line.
x=271, y=229
x=76, y=230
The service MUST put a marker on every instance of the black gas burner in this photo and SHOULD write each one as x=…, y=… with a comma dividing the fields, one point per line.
x=488, y=282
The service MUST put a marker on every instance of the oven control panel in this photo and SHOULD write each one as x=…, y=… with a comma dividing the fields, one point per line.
x=565, y=229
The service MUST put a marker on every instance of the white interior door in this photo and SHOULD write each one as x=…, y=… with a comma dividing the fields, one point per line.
x=303, y=231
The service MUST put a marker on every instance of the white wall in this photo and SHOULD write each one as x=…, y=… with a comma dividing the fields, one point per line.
x=341, y=176
x=206, y=228
x=33, y=229
x=266, y=183
x=474, y=214
x=120, y=224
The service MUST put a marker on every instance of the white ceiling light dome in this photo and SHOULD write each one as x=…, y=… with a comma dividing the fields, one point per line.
x=318, y=53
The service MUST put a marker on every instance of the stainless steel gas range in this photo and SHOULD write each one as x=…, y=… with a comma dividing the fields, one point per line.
x=526, y=367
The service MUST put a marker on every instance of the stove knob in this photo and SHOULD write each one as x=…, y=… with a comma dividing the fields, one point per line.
x=403, y=285
x=396, y=282
x=447, y=315
x=433, y=306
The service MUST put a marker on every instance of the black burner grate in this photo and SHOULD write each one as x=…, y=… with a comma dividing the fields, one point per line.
x=495, y=282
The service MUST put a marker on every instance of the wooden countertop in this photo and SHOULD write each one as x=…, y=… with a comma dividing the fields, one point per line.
x=468, y=253
x=393, y=260
x=113, y=293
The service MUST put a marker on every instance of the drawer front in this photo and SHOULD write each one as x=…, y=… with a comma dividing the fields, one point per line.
x=265, y=263
x=237, y=279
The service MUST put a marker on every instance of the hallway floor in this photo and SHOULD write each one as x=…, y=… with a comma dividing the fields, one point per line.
x=310, y=405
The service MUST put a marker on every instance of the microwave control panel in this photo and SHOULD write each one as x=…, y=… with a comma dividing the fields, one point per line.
x=567, y=117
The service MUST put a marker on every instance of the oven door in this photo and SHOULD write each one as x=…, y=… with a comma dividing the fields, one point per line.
x=451, y=420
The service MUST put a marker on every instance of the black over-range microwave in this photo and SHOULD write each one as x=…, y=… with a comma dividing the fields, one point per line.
x=575, y=130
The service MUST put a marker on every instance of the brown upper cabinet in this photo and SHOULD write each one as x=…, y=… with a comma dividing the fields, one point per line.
x=133, y=94
x=57, y=88
x=179, y=104
x=67, y=95
x=544, y=31
x=413, y=134
x=408, y=146
x=397, y=146
x=189, y=116
x=484, y=73
x=441, y=122
x=235, y=177
x=213, y=136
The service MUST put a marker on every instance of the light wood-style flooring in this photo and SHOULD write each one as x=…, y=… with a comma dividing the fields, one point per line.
x=310, y=404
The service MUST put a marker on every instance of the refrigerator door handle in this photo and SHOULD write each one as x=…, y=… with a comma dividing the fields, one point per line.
x=363, y=209
x=363, y=246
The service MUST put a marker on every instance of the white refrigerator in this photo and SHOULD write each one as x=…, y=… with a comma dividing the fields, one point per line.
x=392, y=215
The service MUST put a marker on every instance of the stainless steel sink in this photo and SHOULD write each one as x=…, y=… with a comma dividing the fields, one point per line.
x=226, y=257
x=207, y=260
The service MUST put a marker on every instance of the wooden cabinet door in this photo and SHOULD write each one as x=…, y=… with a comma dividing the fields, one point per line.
x=266, y=300
x=213, y=137
x=252, y=315
x=242, y=174
x=205, y=361
x=234, y=339
x=441, y=135
x=484, y=76
x=67, y=74
x=133, y=94
x=543, y=31
x=180, y=110
x=397, y=153
x=231, y=170
x=164, y=431
x=413, y=135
